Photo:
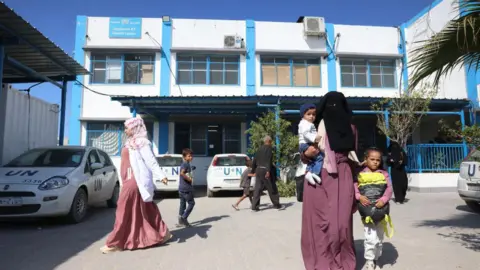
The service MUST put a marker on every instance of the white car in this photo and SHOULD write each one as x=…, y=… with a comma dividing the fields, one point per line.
x=57, y=181
x=225, y=171
x=170, y=165
x=468, y=184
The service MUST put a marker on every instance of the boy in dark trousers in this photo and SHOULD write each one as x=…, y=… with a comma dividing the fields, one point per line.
x=185, y=189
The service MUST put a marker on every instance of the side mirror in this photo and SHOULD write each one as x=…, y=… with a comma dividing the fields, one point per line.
x=193, y=168
x=95, y=166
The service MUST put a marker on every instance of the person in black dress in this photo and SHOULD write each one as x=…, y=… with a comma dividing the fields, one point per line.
x=397, y=160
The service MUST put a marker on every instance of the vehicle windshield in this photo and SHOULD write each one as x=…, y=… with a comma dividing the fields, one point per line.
x=49, y=158
x=232, y=161
x=473, y=156
x=169, y=161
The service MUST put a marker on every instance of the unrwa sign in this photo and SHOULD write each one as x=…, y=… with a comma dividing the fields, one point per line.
x=125, y=28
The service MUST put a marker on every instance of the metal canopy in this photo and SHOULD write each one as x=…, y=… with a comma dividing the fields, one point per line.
x=156, y=105
x=26, y=45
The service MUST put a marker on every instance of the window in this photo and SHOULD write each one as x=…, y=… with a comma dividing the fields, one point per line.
x=110, y=136
x=208, y=139
x=367, y=73
x=296, y=72
x=123, y=68
x=105, y=159
x=212, y=70
x=49, y=158
x=232, y=138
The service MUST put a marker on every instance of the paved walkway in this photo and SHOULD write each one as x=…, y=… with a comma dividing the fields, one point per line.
x=433, y=231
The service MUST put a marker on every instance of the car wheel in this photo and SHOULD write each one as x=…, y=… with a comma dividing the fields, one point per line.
x=78, y=209
x=473, y=205
x=112, y=202
x=209, y=193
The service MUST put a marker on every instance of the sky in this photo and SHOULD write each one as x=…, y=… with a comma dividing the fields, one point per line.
x=56, y=18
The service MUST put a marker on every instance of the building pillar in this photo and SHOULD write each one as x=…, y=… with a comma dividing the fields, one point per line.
x=250, y=58
x=63, y=107
x=74, y=125
x=165, y=61
x=331, y=59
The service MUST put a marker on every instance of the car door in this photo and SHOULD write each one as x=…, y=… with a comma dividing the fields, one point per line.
x=109, y=178
x=95, y=178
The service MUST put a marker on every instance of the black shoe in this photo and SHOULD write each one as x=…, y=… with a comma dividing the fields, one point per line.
x=280, y=207
x=186, y=223
x=255, y=209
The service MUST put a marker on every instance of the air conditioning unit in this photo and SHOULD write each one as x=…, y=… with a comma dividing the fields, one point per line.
x=314, y=26
x=232, y=42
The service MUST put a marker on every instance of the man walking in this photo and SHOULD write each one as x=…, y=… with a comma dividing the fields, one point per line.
x=262, y=165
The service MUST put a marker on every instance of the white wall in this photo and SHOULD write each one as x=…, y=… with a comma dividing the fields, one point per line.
x=285, y=36
x=194, y=33
x=98, y=34
x=208, y=90
x=367, y=42
x=433, y=182
x=101, y=107
x=29, y=122
x=205, y=34
x=454, y=85
x=288, y=37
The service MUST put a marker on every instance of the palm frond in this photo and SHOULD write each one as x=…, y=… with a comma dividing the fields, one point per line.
x=458, y=44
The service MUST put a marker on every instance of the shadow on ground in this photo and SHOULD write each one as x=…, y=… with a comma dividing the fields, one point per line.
x=389, y=255
x=45, y=244
x=466, y=220
x=199, y=228
x=468, y=240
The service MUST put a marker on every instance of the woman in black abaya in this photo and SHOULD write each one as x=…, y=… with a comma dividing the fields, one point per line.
x=397, y=160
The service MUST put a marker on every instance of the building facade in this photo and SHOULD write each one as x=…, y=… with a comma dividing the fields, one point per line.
x=198, y=82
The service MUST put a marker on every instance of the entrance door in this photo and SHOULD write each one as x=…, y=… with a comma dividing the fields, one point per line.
x=214, y=140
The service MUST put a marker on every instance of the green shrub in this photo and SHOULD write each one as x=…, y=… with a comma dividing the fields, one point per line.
x=286, y=189
x=267, y=124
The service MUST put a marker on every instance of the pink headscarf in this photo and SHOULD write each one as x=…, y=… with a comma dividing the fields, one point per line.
x=139, y=137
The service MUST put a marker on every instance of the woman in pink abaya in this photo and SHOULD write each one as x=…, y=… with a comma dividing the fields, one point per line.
x=138, y=222
x=327, y=233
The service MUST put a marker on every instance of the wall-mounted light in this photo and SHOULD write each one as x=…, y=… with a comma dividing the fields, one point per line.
x=165, y=18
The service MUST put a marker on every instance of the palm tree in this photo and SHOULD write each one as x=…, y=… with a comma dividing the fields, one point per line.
x=456, y=45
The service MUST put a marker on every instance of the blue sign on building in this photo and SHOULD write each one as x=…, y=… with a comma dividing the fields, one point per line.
x=125, y=28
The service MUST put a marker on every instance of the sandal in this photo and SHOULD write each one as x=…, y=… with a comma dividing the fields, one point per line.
x=106, y=249
x=235, y=207
x=167, y=238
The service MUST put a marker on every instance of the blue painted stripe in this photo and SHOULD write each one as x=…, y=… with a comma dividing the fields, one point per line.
x=74, y=127
x=423, y=12
x=331, y=61
x=165, y=64
x=163, y=134
x=471, y=77
x=402, y=49
x=251, y=62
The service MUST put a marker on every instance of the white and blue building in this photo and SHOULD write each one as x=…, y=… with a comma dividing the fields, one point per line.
x=199, y=82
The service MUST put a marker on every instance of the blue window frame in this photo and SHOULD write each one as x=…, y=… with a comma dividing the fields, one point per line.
x=205, y=69
x=368, y=73
x=110, y=136
x=129, y=68
x=292, y=72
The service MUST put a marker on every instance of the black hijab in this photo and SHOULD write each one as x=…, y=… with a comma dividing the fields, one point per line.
x=337, y=116
x=396, y=151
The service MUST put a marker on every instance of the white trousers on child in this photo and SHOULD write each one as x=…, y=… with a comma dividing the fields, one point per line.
x=374, y=235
